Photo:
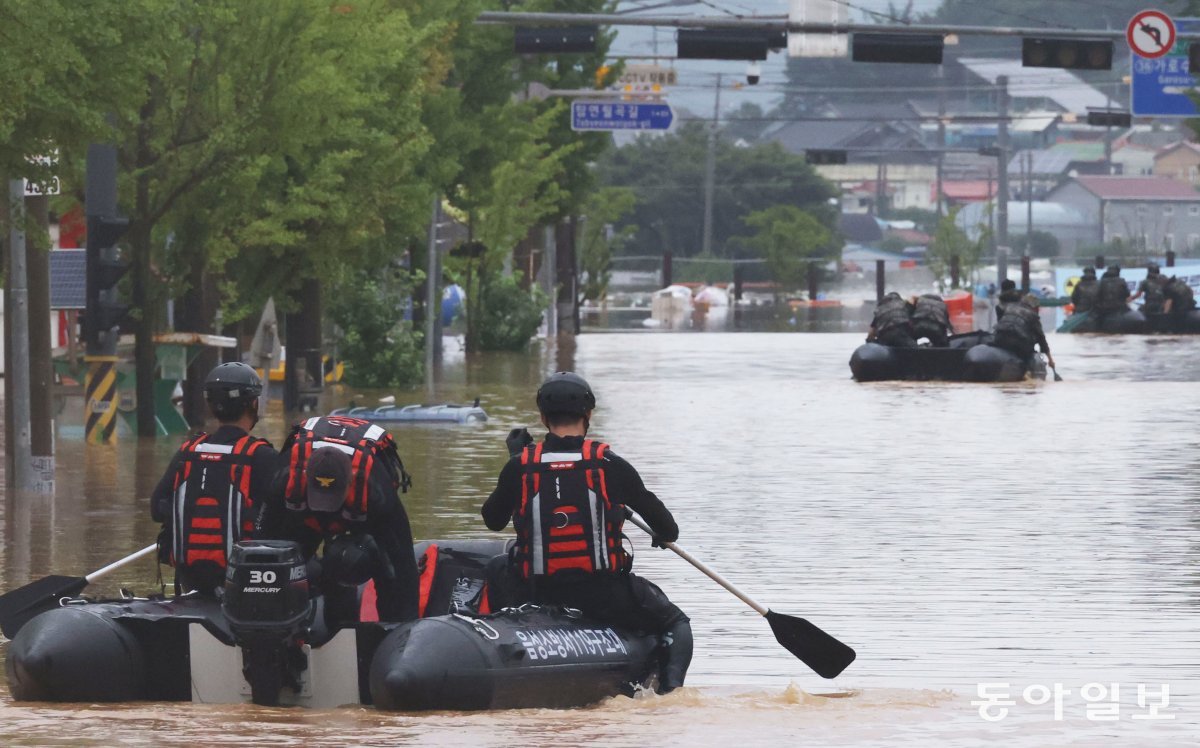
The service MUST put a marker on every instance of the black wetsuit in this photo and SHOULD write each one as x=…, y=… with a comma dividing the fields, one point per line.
x=616, y=598
x=264, y=463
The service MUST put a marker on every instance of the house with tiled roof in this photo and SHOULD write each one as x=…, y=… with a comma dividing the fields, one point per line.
x=1179, y=161
x=1157, y=213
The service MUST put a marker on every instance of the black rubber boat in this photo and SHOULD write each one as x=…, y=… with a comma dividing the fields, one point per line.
x=968, y=358
x=1133, y=322
x=265, y=643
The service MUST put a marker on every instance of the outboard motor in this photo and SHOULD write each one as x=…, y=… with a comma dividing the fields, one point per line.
x=268, y=606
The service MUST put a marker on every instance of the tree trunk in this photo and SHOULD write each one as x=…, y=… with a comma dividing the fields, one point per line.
x=197, y=313
x=303, y=335
x=568, y=274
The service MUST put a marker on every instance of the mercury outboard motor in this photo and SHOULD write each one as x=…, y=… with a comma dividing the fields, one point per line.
x=268, y=606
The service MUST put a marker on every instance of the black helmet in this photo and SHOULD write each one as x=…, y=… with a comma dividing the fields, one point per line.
x=565, y=392
x=1152, y=268
x=349, y=560
x=1008, y=285
x=232, y=381
x=1089, y=272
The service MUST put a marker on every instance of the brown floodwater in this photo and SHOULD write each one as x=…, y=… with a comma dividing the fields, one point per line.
x=1037, y=535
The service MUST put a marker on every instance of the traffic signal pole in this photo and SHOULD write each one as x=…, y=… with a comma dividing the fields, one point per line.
x=101, y=319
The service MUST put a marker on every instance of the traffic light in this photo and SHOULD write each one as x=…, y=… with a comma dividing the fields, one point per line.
x=1194, y=57
x=541, y=40
x=1073, y=54
x=724, y=44
x=924, y=49
x=103, y=314
x=1108, y=118
x=820, y=158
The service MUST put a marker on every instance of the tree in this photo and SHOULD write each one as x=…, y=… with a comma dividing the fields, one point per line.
x=790, y=240
x=1038, y=244
x=666, y=174
x=274, y=131
x=606, y=208
x=950, y=241
x=503, y=204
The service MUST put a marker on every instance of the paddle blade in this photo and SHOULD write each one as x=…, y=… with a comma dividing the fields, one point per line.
x=827, y=656
x=23, y=603
x=1057, y=378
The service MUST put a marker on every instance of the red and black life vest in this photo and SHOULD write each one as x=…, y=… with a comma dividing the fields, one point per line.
x=566, y=519
x=211, y=505
x=369, y=446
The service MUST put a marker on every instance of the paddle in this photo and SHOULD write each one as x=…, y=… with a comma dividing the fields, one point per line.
x=1057, y=378
x=23, y=603
x=827, y=656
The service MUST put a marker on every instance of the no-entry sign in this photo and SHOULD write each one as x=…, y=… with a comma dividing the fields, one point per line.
x=1151, y=34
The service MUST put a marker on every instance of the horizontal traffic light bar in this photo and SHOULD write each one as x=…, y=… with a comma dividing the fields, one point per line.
x=782, y=24
x=555, y=40
x=1071, y=54
x=721, y=44
x=909, y=48
x=1109, y=118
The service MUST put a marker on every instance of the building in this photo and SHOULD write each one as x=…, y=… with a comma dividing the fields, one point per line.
x=1179, y=161
x=1155, y=213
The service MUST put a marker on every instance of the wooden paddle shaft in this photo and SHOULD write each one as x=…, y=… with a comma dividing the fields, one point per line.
x=118, y=564
x=707, y=571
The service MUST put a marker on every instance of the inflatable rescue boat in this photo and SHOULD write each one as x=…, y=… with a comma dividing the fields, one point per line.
x=442, y=413
x=265, y=642
x=1133, y=322
x=969, y=358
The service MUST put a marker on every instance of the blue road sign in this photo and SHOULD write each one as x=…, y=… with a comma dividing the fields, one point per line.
x=620, y=115
x=1161, y=87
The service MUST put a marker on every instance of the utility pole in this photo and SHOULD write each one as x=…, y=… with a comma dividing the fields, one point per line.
x=710, y=172
x=18, y=366
x=941, y=77
x=551, y=255
x=991, y=213
x=41, y=366
x=1002, y=145
x=1029, y=203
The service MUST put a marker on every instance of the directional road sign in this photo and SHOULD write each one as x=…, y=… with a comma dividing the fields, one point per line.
x=1151, y=34
x=623, y=115
x=1161, y=85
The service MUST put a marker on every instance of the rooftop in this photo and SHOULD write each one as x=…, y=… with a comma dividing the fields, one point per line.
x=1060, y=86
x=1138, y=188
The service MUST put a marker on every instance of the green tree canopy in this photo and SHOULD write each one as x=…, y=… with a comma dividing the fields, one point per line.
x=790, y=240
x=666, y=174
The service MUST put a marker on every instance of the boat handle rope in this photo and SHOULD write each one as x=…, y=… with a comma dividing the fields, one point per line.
x=483, y=627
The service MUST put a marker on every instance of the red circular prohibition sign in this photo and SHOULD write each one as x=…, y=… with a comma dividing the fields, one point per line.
x=1152, y=24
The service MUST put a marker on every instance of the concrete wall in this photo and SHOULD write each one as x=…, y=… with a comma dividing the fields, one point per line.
x=1083, y=202
x=1163, y=224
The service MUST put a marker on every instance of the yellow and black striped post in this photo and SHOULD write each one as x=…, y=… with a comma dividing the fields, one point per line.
x=101, y=393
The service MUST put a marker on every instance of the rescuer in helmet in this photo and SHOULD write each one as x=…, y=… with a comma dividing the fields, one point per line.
x=567, y=498
x=338, y=492
x=1153, y=288
x=215, y=488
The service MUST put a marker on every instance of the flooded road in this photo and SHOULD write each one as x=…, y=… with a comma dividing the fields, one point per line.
x=1039, y=537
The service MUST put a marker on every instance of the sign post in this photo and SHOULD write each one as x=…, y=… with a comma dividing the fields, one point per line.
x=622, y=115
